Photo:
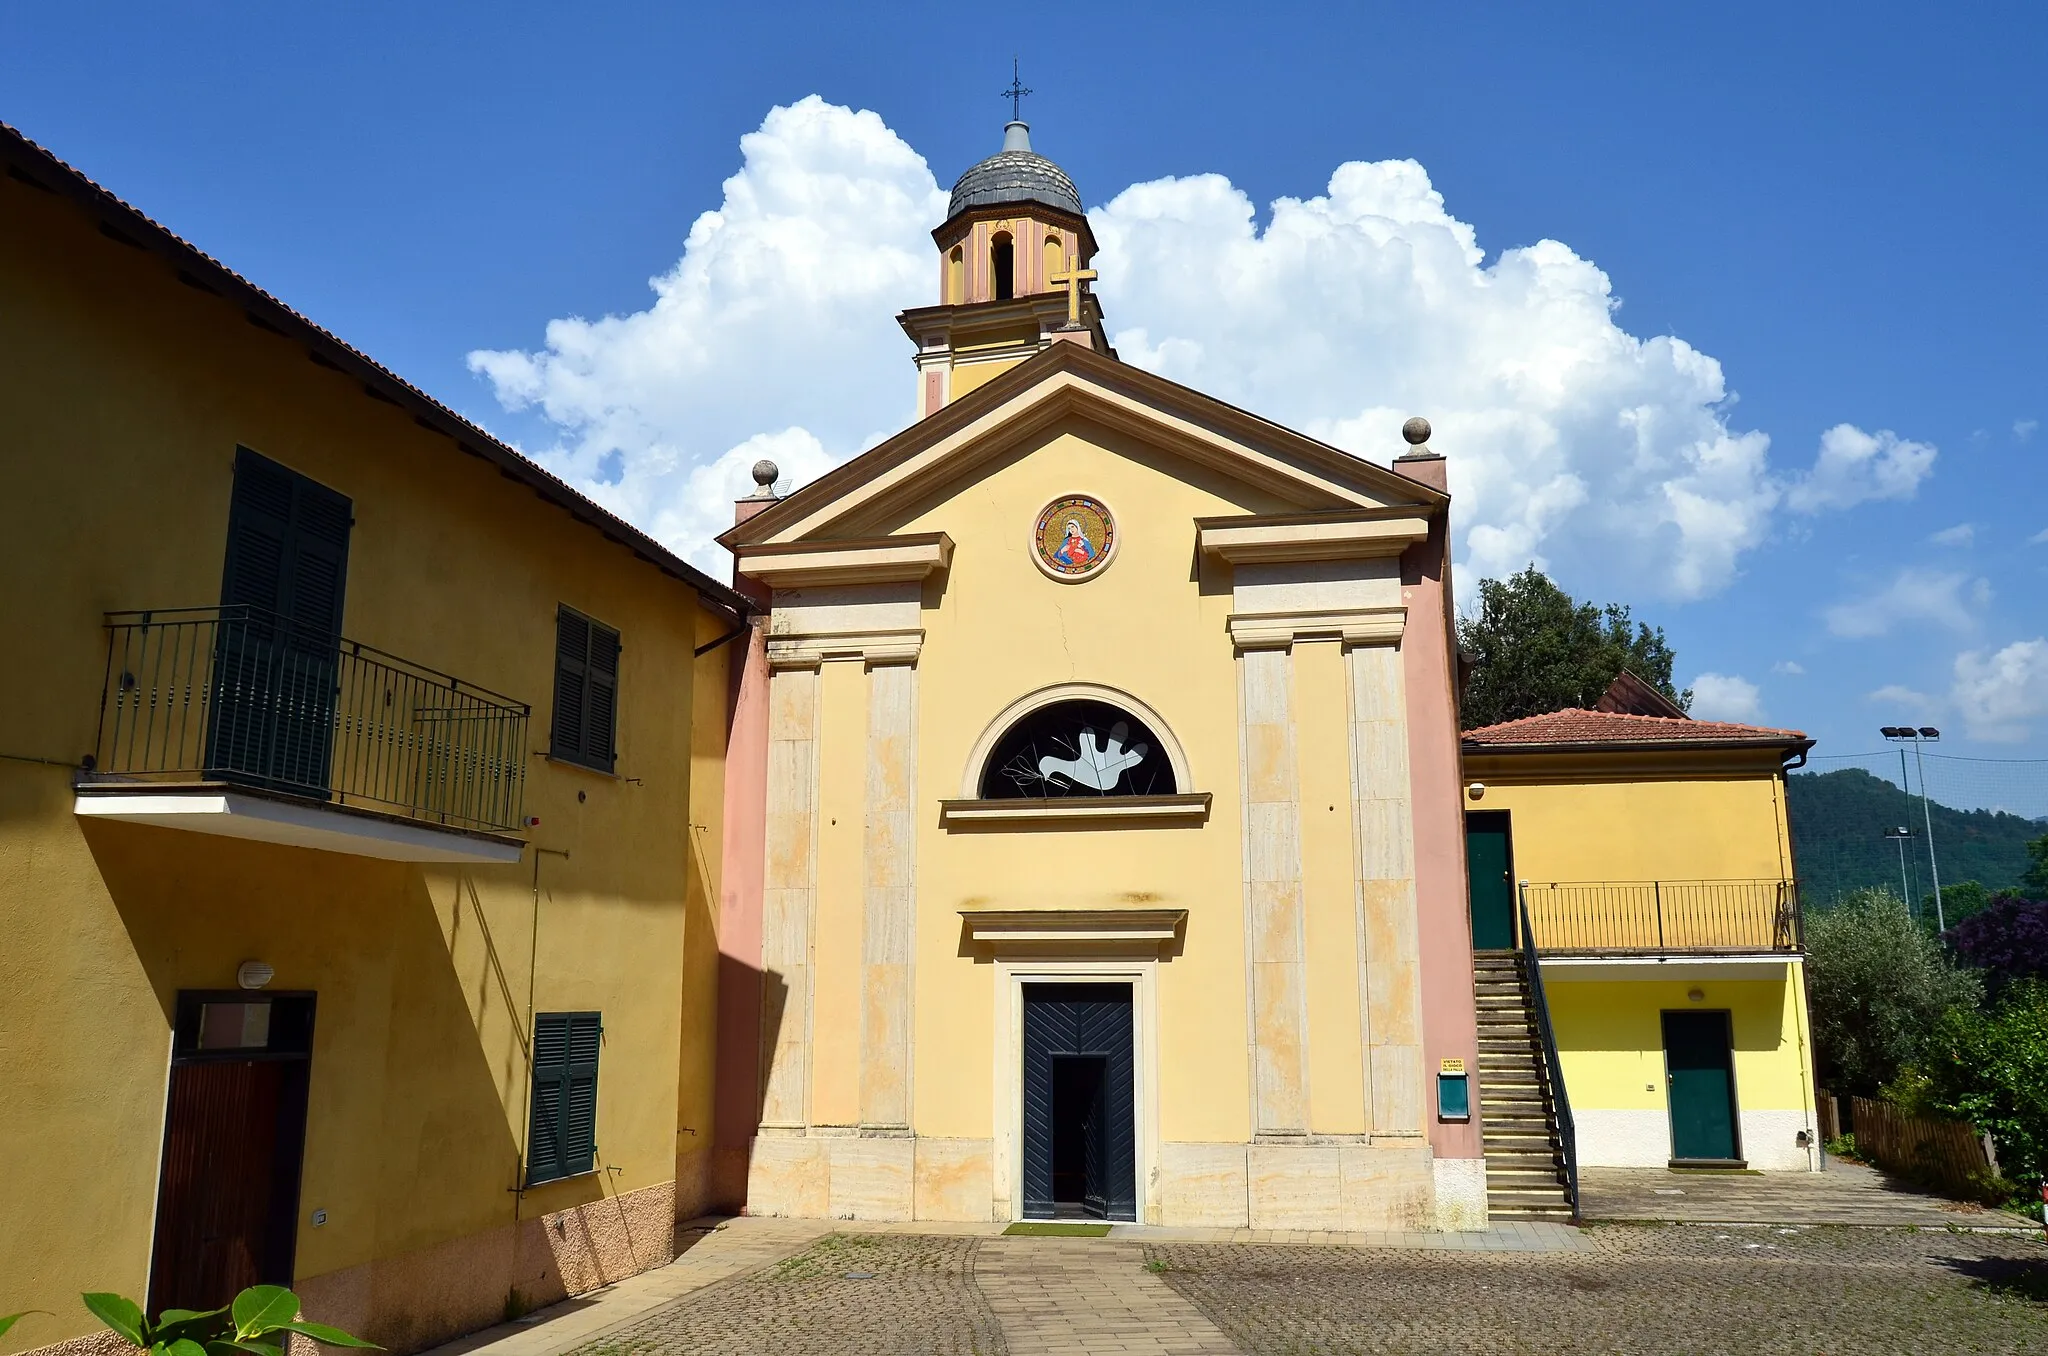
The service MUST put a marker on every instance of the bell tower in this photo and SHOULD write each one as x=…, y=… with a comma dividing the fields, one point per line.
x=1014, y=254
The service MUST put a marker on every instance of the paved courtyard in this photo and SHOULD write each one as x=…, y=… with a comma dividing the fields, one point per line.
x=772, y=1288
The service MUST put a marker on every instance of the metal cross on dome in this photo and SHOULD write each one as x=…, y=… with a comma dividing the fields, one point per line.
x=1015, y=93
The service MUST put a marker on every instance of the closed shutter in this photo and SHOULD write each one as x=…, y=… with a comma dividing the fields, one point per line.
x=586, y=691
x=562, y=1136
x=276, y=651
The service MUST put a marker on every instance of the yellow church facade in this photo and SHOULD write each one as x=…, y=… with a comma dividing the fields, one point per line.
x=1644, y=860
x=360, y=796
x=1104, y=855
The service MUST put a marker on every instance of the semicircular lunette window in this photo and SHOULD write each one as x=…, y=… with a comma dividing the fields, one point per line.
x=1077, y=748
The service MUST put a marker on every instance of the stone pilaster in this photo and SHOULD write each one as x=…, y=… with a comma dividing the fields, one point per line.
x=1277, y=1014
x=890, y=857
x=1389, y=948
x=789, y=897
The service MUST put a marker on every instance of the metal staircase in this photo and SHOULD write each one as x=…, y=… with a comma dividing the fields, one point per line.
x=1528, y=1173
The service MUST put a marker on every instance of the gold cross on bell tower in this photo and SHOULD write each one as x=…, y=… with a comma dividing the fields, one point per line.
x=1072, y=280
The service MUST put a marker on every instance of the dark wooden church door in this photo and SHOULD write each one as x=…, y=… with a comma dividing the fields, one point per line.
x=234, y=1136
x=1080, y=1146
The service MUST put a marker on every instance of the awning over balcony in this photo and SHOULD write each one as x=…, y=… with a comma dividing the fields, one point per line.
x=1759, y=965
x=235, y=813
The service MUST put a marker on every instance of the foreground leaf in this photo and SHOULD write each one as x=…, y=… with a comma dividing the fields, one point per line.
x=123, y=1315
x=333, y=1337
x=195, y=1324
x=185, y=1346
x=263, y=1308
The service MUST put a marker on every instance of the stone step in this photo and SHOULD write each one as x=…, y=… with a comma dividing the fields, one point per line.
x=1544, y=1162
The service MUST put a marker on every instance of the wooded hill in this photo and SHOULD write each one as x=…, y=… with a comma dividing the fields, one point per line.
x=1838, y=824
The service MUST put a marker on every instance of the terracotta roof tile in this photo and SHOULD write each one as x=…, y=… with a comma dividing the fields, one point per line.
x=1574, y=726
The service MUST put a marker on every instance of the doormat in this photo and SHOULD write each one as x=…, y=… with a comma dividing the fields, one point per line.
x=1045, y=1228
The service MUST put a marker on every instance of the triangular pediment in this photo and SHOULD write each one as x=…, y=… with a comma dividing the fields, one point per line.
x=1068, y=381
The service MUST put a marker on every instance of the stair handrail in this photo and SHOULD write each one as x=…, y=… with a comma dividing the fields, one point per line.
x=1567, y=1133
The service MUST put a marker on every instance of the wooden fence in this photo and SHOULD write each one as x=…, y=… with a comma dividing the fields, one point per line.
x=1949, y=1156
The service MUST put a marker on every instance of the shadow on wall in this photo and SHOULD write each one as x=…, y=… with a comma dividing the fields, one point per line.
x=752, y=1006
x=418, y=1079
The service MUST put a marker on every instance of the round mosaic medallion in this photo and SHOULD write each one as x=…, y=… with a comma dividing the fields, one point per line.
x=1075, y=539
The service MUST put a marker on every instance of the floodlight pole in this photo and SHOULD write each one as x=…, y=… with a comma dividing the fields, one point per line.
x=1919, y=735
x=1902, y=834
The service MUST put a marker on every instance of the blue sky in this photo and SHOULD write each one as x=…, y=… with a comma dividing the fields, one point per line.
x=1842, y=207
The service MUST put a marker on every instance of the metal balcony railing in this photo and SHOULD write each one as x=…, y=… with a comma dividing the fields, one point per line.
x=242, y=696
x=1664, y=916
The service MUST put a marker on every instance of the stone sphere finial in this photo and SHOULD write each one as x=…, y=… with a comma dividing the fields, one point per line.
x=1416, y=431
x=765, y=472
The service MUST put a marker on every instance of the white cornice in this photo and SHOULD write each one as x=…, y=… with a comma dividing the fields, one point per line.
x=1255, y=542
x=1058, y=811
x=1069, y=927
x=893, y=646
x=1353, y=626
x=814, y=564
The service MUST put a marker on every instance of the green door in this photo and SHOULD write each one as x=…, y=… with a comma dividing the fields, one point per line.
x=1489, y=863
x=1700, y=1069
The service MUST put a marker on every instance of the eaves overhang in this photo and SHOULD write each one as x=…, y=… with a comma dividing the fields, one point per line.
x=31, y=164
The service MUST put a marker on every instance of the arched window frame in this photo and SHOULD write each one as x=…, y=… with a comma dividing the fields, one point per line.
x=992, y=735
x=1001, y=243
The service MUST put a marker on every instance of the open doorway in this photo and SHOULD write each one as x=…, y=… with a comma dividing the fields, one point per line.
x=1078, y=1082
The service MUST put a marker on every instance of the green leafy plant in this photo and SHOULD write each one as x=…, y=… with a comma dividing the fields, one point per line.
x=1879, y=984
x=254, y=1325
x=1991, y=1069
x=1843, y=1146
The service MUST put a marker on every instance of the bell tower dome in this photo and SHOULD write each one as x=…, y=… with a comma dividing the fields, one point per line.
x=1014, y=254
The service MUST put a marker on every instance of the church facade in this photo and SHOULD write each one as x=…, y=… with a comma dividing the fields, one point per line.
x=1093, y=841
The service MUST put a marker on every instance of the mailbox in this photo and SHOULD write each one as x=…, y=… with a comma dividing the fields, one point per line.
x=1453, y=1091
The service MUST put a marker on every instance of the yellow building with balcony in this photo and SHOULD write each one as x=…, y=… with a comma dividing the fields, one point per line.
x=360, y=793
x=1640, y=963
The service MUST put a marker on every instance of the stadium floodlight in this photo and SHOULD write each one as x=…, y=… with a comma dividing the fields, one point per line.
x=1902, y=833
x=1919, y=735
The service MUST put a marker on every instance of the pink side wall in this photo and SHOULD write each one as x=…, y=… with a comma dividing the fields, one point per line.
x=1449, y=1012
x=743, y=864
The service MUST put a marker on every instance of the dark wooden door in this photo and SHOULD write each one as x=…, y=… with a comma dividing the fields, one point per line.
x=276, y=654
x=234, y=1134
x=1699, y=1068
x=1490, y=865
x=1078, y=1042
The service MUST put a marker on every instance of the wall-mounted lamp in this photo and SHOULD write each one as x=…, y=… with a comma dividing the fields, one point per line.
x=254, y=974
x=1476, y=791
x=1695, y=995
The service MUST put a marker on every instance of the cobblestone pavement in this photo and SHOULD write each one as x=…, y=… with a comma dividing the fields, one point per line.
x=1672, y=1288
x=846, y=1295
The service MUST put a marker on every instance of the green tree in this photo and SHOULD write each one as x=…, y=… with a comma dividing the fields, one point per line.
x=1991, y=1069
x=2034, y=880
x=1535, y=649
x=1877, y=983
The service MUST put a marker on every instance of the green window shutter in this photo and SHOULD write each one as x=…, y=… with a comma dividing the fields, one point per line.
x=586, y=691
x=562, y=1137
x=572, y=654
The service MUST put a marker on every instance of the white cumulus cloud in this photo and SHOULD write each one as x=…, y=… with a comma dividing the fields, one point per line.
x=1946, y=598
x=1719, y=696
x=1790, y=667
x=1898, y=694
x=1962, y=534
x=1999, y=694
x=1855, y=467
x=1572, y=443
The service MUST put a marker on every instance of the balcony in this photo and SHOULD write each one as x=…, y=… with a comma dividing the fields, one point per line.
x=1631, y=927
x=239, y=722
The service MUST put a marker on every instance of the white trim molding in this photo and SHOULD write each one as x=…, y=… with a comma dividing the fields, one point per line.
x=813, y=564
x=1066, y=811
x=325, y=828
x=1758, y=965
x=1259, y=541
x=895, y=645
x=1011, y=976
x=970, y=776
x=1150, y=928
x=1351, y=625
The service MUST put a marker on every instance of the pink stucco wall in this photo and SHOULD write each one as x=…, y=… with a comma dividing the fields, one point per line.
x=1449, y=1013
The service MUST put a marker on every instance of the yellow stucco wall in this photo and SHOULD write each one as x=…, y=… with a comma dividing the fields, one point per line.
x=127, y=394
x=1138, y=627
x=1635, y=824
x=1610, y=1037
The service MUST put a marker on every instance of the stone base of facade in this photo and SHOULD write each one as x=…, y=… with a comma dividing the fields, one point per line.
x=1642, y=1139
x=1310, y=1185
